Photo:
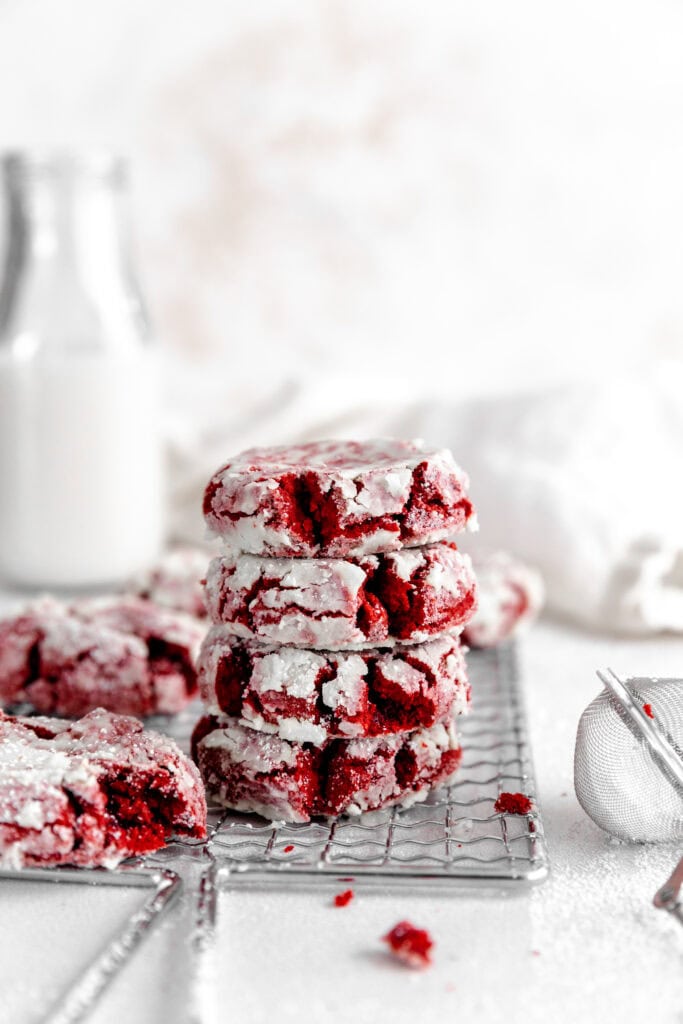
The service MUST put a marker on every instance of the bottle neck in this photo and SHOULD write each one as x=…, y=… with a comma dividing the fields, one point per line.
x=64, y=215
x=67, y=259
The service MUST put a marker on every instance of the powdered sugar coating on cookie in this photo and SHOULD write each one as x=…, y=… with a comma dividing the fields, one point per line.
x=309, y=696
x=123, y=654
x=264, y=774
x=91, y=792
x=332, y=603
x=338, y=498
x=510, y=597
x=175, y=582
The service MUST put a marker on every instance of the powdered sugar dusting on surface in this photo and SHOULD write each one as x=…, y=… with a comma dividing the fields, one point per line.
x=406, y=562
x=287, y=670
x=244, y=746
x=297, y=731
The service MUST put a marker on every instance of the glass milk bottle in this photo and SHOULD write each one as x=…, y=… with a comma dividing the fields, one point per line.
x=81, y=502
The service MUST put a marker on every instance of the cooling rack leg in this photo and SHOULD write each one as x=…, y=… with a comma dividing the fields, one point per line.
x=82, y=996
x=203, y=939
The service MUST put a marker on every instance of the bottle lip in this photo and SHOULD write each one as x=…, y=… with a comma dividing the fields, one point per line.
x=98, y=164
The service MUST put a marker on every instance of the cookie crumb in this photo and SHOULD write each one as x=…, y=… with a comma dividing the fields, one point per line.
x=409, y=944
x=512, y=803
x=342, y=899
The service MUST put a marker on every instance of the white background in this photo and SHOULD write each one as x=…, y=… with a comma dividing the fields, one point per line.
x=489, y=194
x=463, y=197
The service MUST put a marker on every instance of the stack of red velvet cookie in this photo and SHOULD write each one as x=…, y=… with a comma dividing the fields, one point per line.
x=333, y=674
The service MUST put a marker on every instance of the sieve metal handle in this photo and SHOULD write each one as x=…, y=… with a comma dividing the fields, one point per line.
x=659, y=743
x=668, y=897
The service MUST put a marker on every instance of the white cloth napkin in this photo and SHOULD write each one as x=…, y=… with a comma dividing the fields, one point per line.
x=585, y=483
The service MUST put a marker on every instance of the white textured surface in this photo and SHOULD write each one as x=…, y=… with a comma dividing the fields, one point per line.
x=499, y=181
x=604, y=954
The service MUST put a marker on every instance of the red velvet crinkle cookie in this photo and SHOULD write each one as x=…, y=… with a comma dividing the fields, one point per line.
x=308, y=696
x=331, y=603
x=123, y=654
x=176, y=581
x=252, y=771
x=509, y=597
x=338, y=498
x=92, y=792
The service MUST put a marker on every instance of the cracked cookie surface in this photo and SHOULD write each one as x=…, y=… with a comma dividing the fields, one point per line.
x=333, y=603
x=264, y=774
x=312, y=696
x=338, y=498
x=92, y=792
x=124, y=654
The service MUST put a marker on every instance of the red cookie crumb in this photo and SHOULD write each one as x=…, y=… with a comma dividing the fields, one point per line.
x=512, y=803
x=647, y=708
x=410, y=944
x=288, y=849
x=342, y=899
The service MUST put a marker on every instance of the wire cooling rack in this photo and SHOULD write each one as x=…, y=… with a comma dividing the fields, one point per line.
x=454, y=839
x=456, y=836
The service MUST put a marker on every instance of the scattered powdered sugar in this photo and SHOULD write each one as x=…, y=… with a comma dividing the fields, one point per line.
x=288, y=669
x=410, y=679
x=347, y=688
x=247, y=746
x=297, y=730
x=462, y=828
x=31, y=815
x=406, y=562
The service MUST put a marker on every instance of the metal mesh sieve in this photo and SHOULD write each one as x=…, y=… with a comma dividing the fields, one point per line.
x=628, y=762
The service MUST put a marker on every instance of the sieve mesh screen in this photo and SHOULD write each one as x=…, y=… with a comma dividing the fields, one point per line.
x=621, y=781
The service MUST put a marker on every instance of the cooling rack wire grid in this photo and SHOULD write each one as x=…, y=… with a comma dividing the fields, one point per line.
x=455, y=836
x=454, y=839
